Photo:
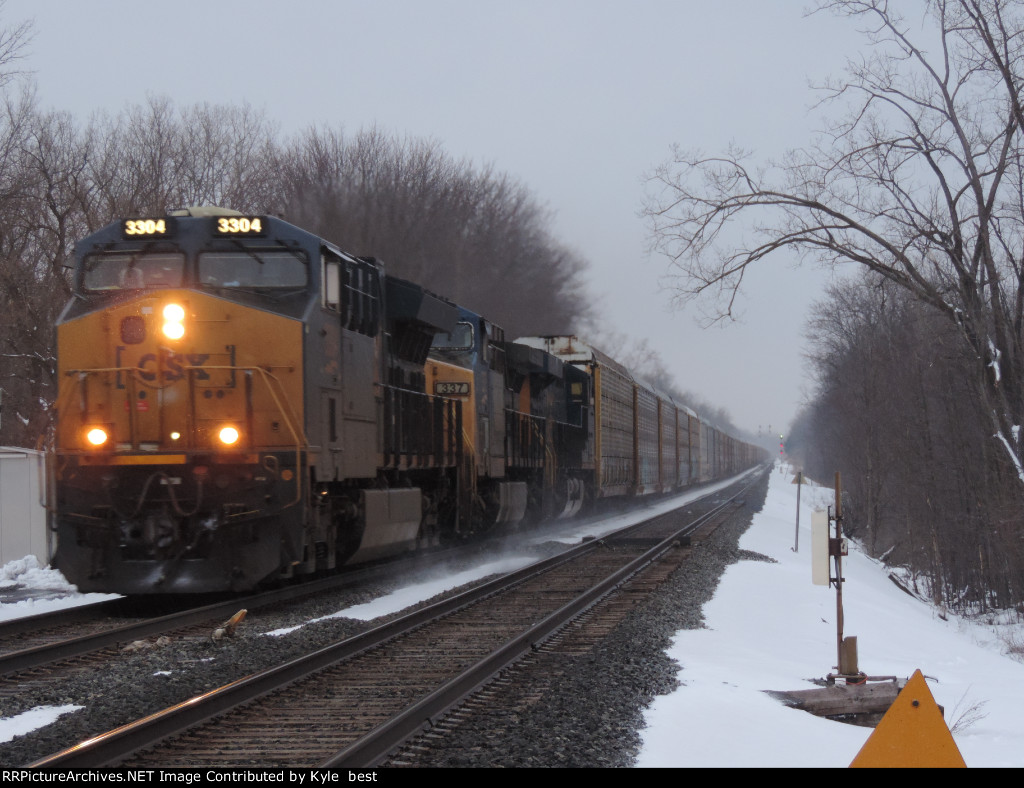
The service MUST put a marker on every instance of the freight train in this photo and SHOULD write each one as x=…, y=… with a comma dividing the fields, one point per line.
x=242, y=402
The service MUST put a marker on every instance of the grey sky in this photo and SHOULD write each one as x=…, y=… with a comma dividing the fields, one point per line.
x=575, y=98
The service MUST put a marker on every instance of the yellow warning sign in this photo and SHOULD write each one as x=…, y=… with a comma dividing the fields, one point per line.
x=799, y=478
x=911, y=734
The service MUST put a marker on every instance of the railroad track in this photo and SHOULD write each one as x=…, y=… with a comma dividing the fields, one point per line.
x=46, y=647
x=352, y=703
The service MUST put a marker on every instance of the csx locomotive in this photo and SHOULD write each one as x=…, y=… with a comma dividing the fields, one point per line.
x=241, y=401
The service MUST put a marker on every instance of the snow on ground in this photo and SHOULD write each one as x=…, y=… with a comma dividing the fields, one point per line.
x=406, y=597
x=768, y=628
x=26, y=573
x=38, y=717
x=28, y=589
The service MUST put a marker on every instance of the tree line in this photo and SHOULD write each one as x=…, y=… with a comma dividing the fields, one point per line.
x=916, y=180
x=895, y=407
x=471, y=234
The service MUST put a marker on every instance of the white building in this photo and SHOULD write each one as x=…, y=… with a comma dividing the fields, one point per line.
x=23, y=525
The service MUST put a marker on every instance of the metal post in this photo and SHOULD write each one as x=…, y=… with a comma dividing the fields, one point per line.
x=839, y=578
x=799, y=484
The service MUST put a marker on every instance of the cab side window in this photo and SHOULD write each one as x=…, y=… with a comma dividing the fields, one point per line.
x=351, y=287
x=330, y=290
x=360, y=297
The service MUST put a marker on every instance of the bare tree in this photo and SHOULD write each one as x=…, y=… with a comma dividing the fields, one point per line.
x=472, y=234
x=154, y=157
x=46, y=185
x=59, y=182
x=924, y=484
x=920, y=178
x=13, y=41
x=226, y=157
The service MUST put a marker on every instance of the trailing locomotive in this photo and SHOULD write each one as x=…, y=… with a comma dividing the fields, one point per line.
x=241, y=401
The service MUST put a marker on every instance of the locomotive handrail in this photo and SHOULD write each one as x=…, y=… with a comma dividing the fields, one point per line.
x=403, y=435
x=551, y=469
x=283, y=407
x=133, y=371
x=300, y=440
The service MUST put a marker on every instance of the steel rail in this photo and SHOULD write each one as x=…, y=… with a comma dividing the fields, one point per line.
x=110, y=748
x=372, y=748
x=39, y=656
x=68, y=615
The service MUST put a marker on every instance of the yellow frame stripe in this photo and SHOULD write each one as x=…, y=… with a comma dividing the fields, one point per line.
x=136, y=459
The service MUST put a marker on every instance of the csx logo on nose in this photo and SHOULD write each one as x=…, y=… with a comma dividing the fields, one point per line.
x=171, y=366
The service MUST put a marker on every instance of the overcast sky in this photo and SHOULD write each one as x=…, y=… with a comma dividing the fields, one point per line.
x=575, y=98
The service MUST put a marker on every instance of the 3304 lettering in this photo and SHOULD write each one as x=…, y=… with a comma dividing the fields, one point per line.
x=239, y=225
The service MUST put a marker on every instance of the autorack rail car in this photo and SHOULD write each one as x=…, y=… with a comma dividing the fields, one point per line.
x=241, y=401
x=644, y=442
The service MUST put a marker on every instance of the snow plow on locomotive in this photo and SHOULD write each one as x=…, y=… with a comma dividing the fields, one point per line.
x=241, y=401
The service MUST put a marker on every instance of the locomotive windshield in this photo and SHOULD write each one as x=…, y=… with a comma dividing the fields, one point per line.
x=253, y=268
x=132, y=270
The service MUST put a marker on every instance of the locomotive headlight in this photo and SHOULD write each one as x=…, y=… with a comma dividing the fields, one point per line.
x=96, y=436
x=228, y=436
x=174, y=321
